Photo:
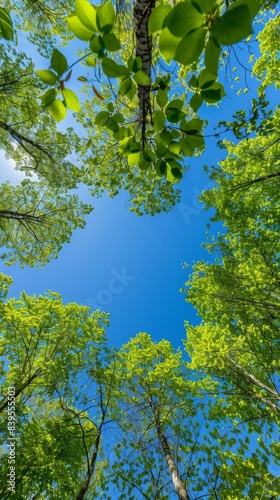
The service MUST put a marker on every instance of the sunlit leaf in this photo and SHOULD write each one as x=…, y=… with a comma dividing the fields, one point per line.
x=233, y=26
x=71, y=100
x=156, y=19
x=190, y=47
x=105, y=17
x=59, y=62
x=47, y=76
x=87, y=14
x=6, y=25
x=168, y=44
x=57, y=110
x=112, y=43
x=141, y=78
x=183, y=19
x=79, y=29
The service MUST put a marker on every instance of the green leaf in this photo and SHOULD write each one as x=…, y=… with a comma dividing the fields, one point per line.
x=71, y=100
x=82, y=79
x=143, y=163
x=205, y=79
x=211, y=56
x=136, y=64
x=110, y=68
x=132, y=91
x=141, y=78
x=160, y=167
x=112, y=43
x=233, y=26
x=155, y=21
x=253, y=6
x=161, y=149
x=162, y=98
x=112, y=125
x=134, y=158
x=196, y=101
x=6, y=25
x=213, y=93
x=173, y=171
x=121, y=133
x=48, y=97
x=105, y=17
x=174, y=147
x=192, y=127
x=193, y=81
x=175, y=134
x=78, y=28
x=110, y=107
x=97, y=45
x=118, y=116
x=59, y=62
x=125, y=85
x=47, y=76
x=194, y=141
x=183, y=19
x=190, y=47
x=91, y=61
x=168, y=44
x=148, y=155
x=204, y=6
x=102, y=118
x=57, y=110
x=159, y=120
x=186, y=148
x=174, y=111
x=166, y=137
x=87, y=14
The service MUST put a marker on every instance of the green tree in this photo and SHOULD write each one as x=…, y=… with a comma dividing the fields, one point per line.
x=46, y=348
x=35, y=221
x=237, y=297
x=27, y=135
x=170, y=442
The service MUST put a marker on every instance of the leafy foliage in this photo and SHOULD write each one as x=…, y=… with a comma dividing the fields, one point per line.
x=35, y=222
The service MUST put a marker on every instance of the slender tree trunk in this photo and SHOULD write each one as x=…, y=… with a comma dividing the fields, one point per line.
x=141, y=12
x=179, y=485
x=85, y=486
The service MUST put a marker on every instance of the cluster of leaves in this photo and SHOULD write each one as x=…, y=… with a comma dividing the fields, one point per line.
x=48, y=346
x=182, y=37
x=38, y=216
x=237, y=297
x=35, y=221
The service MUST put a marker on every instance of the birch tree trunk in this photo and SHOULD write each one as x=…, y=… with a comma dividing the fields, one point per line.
x=141, y=12
x=179, y=485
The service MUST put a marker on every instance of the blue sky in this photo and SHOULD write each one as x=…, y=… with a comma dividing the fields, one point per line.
x=148, y=250
x=131, y=266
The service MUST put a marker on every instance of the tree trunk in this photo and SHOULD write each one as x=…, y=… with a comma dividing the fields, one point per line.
x=141, y=12
x=179, y=485
x=85, y=486
x=176, y=479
